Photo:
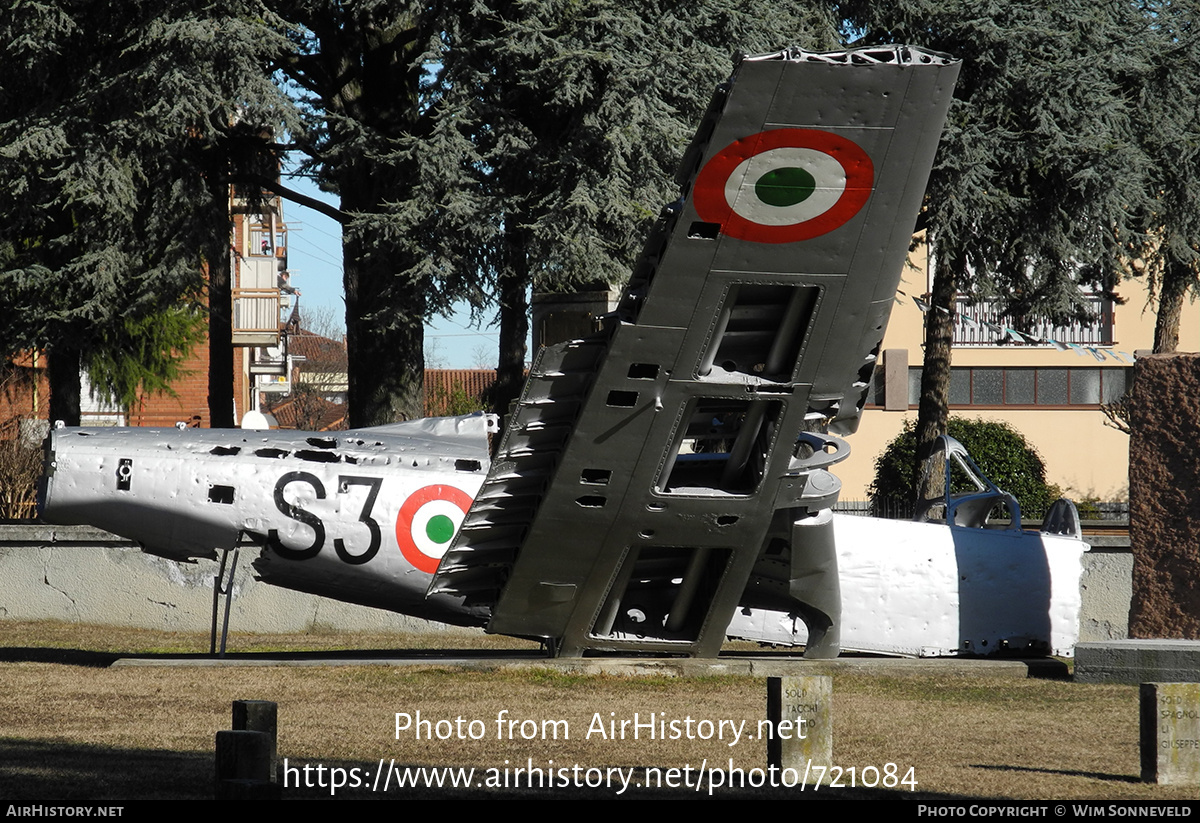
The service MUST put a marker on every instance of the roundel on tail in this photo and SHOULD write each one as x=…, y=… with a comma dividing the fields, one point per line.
x=784, y=185
x=427, y=523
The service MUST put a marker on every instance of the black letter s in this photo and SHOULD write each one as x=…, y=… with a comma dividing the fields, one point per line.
x=300, y=515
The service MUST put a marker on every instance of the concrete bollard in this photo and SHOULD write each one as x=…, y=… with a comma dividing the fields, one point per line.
x=246, y=757
x=1169, y=737
x=801, y=713
x=259, y=716
x=243, y=763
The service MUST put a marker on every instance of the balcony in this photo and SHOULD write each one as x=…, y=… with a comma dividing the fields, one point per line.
x=256, y=317
x=257, y=299
x=982, y=324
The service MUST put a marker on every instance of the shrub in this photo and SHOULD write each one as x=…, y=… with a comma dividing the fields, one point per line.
x=20, y=470
x=997, y=448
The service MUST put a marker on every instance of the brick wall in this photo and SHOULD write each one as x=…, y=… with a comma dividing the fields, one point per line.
x=24, y=390
x=190, y=403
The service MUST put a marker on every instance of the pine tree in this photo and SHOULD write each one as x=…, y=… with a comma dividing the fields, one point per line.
x=479, y=146
x=119, y=123
x=358, y=69
x=570, y=120
x=1169, y=135
x=1039, y=177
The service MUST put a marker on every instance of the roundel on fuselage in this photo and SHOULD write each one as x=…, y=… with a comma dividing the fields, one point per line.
x=784, y=185
x=427, y=523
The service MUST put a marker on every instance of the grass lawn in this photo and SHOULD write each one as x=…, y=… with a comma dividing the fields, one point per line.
x=76, y=728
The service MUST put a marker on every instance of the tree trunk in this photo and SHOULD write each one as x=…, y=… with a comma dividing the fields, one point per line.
x=369, y=77
x=64, y=362
x=934, y=408
x=1170, y=307
x=385, y=337
x=514, y=330
x=220, y=317
x=513, y=286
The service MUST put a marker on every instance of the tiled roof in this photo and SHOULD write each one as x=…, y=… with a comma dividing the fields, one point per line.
x=315, y=347
x=302, y=412
x=448, y=390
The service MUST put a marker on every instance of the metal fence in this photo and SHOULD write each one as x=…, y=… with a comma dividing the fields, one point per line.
x=984, y=324
x=1116, y=511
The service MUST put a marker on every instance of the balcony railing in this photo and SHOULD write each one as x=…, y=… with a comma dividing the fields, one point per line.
x=982, y=324
x=256, y=317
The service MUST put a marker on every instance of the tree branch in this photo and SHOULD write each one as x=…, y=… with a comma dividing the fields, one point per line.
x=275, y=187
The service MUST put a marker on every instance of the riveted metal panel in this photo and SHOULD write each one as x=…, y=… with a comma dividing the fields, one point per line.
x=635, y=492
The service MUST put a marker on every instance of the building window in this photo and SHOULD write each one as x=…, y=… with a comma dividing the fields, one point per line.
x=262, y=242
x=997, y=387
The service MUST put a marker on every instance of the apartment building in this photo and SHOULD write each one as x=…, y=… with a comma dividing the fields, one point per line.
x=1048, y=384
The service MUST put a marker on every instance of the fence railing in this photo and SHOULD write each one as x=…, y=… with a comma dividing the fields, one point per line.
x=983, y=324
x=1113, y=511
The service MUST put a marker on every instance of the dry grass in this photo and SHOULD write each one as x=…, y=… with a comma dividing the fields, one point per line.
x=92, y=732
x=50, y=634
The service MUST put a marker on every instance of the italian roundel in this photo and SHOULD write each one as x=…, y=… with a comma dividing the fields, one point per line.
x=784, y=185
x=427, y=522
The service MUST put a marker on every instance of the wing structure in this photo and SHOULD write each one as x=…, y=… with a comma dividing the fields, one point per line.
x=646, y=470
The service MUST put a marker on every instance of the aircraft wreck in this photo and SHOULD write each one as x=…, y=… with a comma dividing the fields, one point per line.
x=666, y=481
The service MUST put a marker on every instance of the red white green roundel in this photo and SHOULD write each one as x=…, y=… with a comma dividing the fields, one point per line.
x=427, y=523
x=784, y=185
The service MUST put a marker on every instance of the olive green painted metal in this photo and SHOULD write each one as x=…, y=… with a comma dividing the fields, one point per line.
x=657, y=475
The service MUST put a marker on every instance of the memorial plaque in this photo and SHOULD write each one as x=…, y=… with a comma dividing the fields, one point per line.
x=1170, y=733
x=801, y=713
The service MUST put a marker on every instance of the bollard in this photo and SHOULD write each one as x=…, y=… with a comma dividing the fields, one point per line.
x=243, y=764
x=1169, y=733
x=800, y=710
x=259, y=716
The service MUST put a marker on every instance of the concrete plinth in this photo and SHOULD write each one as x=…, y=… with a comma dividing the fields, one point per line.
x=801, y=712
x=1169, y=733
x=1138, y=661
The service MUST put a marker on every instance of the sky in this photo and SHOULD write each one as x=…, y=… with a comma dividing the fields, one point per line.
x=315, y=262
